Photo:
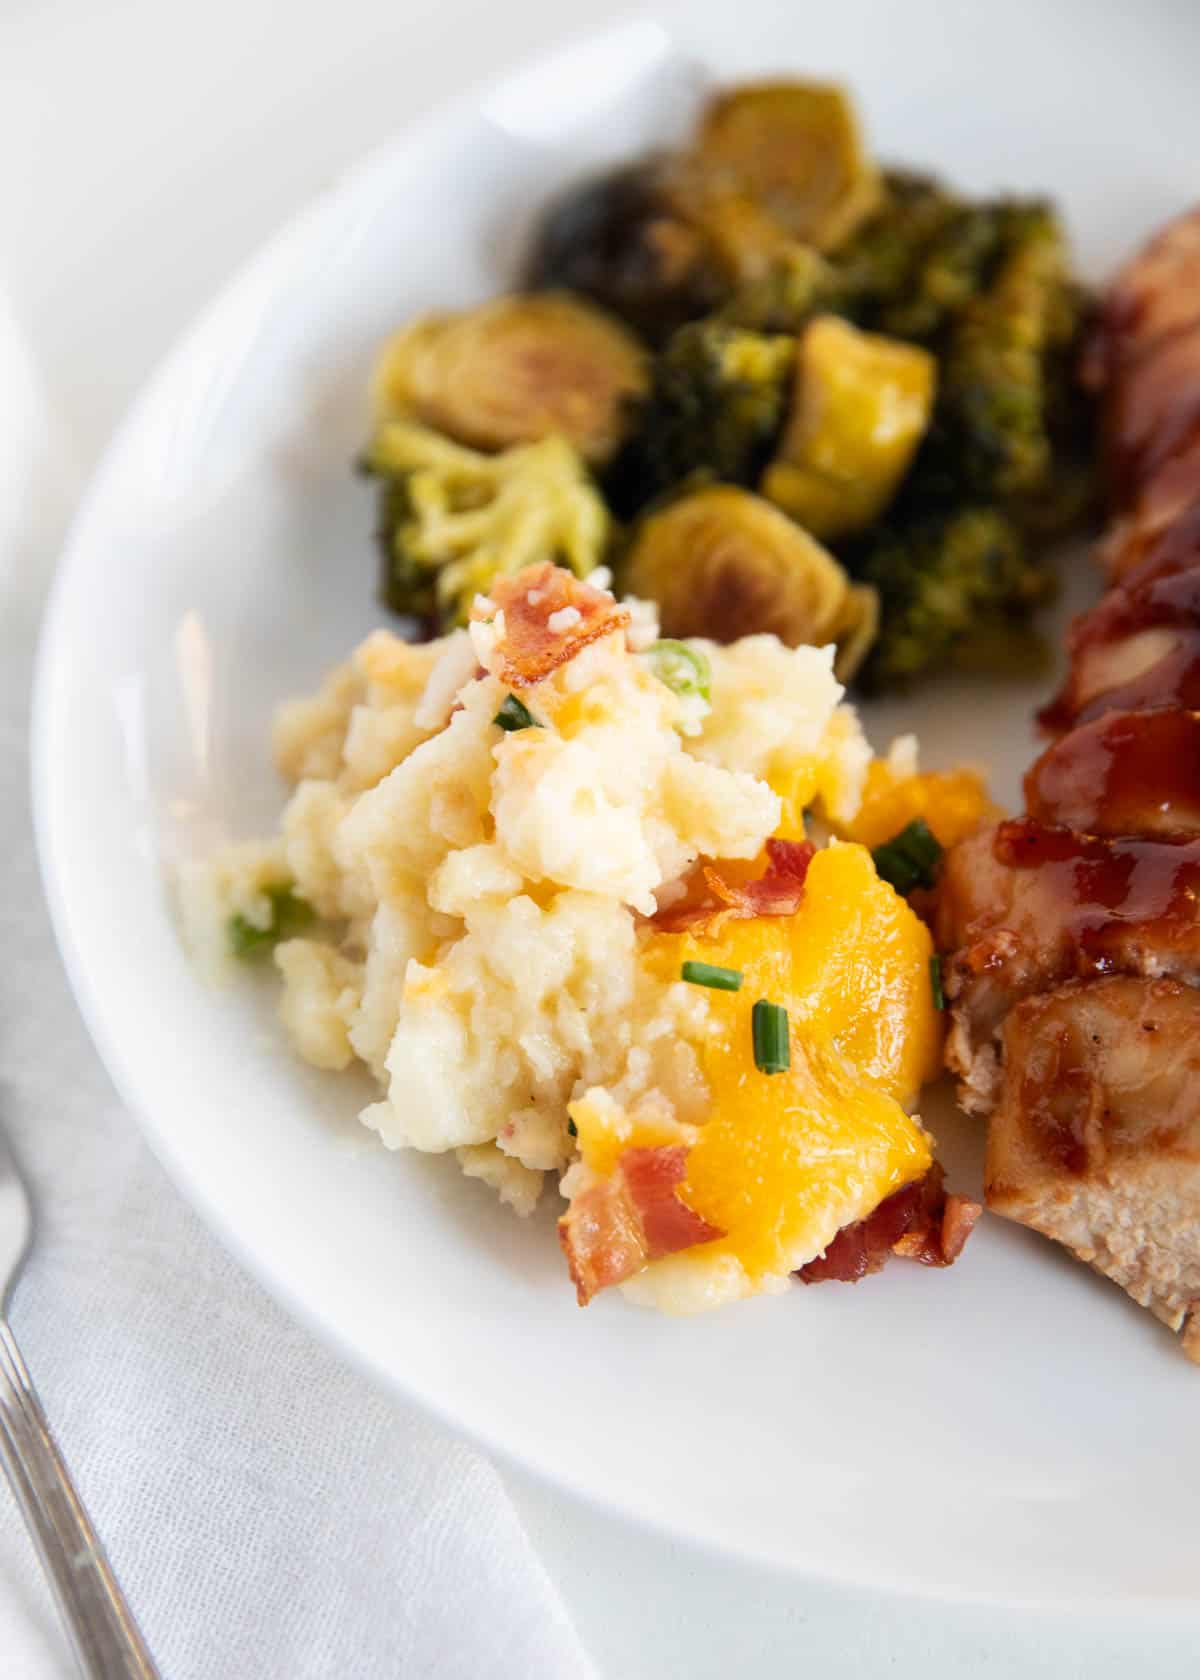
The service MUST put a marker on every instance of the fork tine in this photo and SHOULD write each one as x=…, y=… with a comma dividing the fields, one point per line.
x=16, y=1220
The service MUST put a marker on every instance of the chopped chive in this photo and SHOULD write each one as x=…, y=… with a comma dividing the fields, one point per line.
x=772, y=1050
x=909, y=859
x=684, y=669
x=515, y=714
x=708, y=974
x=290, y=915
x=572, y=1128
x=935, y=981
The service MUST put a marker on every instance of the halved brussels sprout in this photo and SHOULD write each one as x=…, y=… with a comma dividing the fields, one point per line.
x=516, y=370
x=722, y=563
x=793, y=149
x=629, y=241
x=746, y=240
x=861, y=406
x=855, y=630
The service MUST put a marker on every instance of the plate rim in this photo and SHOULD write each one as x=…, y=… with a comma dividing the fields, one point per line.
x=281, y=250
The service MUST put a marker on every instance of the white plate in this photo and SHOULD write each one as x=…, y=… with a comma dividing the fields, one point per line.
x=1010, y=1428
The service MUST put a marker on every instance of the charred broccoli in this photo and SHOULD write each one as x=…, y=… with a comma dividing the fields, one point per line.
x=1005, y=461
x=796, y=284
x=453, y=520
x=954, y=587
x=918, y=260
x=716, y=407
x=987, y=286
x=991, y=436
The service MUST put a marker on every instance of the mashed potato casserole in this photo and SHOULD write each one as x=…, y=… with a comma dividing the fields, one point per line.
x=592, y=910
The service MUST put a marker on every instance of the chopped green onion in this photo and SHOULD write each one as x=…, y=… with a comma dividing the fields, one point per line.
x=935, y=981
x=772, y=1050
x=909, y=859
x=514, y=714
x=572, y=1128
x=684, y=669
x=708, y=974
x=289, y=916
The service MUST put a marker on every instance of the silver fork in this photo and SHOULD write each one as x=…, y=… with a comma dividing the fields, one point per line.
x=105, y=1636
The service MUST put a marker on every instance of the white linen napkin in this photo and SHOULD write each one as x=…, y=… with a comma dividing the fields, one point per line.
x=269, y=1513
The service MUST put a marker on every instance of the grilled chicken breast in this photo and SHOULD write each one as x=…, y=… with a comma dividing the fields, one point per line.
x=1095, y=1140
x=1073, y=934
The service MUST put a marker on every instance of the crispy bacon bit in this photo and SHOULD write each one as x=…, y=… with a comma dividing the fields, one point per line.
x=713, y=900
x=919, y=1222
x=613, y=1228
x=532, y=647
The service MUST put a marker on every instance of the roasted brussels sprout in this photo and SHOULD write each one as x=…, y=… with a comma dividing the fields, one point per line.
x=860, y=409
x=955, y=587
x=774, y=168
x=792, y=149
x=630, y=240
x=716, y=406
x=855, y=630
x=723, y=563
x=516, y=370
x=453, y=520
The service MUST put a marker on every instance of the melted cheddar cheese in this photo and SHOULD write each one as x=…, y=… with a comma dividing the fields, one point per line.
x=954, y=803
x=783, y=1161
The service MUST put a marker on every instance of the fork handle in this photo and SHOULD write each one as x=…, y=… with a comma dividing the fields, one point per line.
x=105, y=1636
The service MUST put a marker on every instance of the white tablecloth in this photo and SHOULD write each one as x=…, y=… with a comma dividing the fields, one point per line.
x=272, y=1516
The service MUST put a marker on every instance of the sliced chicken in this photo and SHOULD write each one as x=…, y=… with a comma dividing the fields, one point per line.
x=1160, y=531
x=1095, y=1140
x=1153, y=410
x=1073, y=935
x=1138, y=649
x=1144, y=358
x=1023, y=907
x=1123, y=773
x=1156, y=294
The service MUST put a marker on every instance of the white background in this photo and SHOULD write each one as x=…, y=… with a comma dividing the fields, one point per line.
x=145, y=149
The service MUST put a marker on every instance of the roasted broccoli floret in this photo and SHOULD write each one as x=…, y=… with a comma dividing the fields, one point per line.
x=957, y=587
x=796, y=284
x=716, y=407
x=407, y=586
x=933, y=268
x=1004, y=461
x=991, y=436
x=919, y=258
x=453, y=520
